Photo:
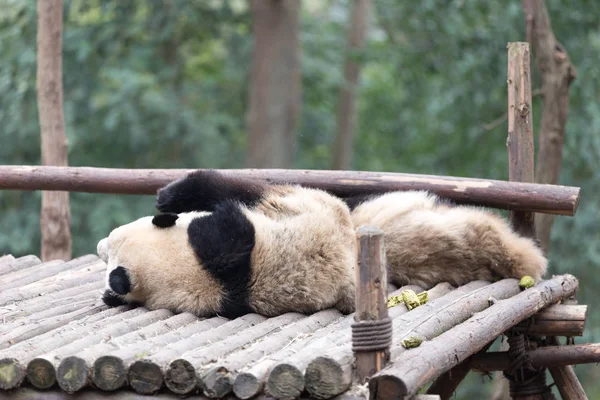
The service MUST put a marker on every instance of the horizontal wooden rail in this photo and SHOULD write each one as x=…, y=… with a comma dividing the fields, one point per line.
x=550, y=356
x=551, y=199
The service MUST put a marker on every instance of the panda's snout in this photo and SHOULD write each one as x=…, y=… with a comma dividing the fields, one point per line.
x=102, y=250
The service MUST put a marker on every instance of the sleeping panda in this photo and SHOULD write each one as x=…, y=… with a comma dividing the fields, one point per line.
x=225, y=246
x=429, y=240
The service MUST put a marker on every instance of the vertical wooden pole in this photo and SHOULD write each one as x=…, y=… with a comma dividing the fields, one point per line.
x=371, y=308
x=520, y=141
x=566, y=381
x=520, y=129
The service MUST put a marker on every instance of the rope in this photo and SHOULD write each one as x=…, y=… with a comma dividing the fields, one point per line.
x=525, y=380
x=372, y=335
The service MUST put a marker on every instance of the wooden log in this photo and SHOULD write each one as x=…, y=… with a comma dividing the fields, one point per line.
x=290, y=370
x=295, y=358
x=333, y=367
x=59, y=364
x=47, y=306
x=14, y=360
x=181, y=377
x=36, y=328
x=56, y=393
x=18, y=264
x=151, y=336
x=6, y=260
x=62, y=281
x=62, y=309
x=37, y=272
x=216, y=379
x=81, y=363
x=566, y=381
x=20, y=278
x=414, y=368
x=520, y=129
x=249, y=382
x=434, y=318
x=371, y=295
x=156, y=353
x=556, y=320
x=553, y=199
x=445, y=385
x=547, y=356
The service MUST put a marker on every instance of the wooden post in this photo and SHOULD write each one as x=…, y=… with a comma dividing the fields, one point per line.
x=566, y=381
x=372, y=321
x=520, y=129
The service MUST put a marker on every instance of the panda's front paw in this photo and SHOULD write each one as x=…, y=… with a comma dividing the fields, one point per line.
x=172, y=198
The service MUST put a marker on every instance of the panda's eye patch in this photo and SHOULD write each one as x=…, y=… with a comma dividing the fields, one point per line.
x=165, y=220
x=118, y=280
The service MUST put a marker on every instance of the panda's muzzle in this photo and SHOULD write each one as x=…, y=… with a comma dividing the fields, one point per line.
x=118, y=281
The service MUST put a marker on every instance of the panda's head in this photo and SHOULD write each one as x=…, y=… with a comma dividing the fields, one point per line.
x=148, y=259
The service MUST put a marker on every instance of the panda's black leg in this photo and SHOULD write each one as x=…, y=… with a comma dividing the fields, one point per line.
x=223, y=241
x=111, y=299
x=203, y=190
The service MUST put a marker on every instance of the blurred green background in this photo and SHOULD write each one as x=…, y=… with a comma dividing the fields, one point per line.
x=157, y=84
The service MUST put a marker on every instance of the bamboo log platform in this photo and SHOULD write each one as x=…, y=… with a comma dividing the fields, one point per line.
x=58, y=339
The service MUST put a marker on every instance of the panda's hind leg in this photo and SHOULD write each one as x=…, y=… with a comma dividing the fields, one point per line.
x=509, y=254
x=203, y=190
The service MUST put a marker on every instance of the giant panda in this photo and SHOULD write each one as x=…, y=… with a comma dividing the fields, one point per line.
x=226, y=246
x=429, y=240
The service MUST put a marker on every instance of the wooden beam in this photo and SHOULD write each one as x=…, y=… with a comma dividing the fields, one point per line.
x=556, y=320
x=553, y=199
x=520, y=129
x=415, y=368
x=548, y=356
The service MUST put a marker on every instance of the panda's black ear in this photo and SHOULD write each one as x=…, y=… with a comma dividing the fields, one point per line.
x=165, y=220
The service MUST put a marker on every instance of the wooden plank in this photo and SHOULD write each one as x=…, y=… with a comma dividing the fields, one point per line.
x=329, y=374
x=53, y=366
x=251, y=381
x=144, y=364
x=553, y=199
x=52, y=304
x=415, y=368
x=18, y=264
x=181, y=375
x=61, y=281
x=216, y=379
x=14, y=360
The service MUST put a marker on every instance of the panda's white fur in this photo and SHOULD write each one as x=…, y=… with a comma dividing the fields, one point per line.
x=428, y=240
x=227, y=247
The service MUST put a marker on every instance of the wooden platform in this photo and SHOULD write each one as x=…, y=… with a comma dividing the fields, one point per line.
x=57, y=336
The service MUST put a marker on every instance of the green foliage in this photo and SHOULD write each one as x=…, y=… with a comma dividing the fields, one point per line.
x=151, y=84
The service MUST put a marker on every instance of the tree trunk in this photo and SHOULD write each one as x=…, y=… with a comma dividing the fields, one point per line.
x=55, y=215
x=346, y=113
x=557, y=73
x=275, y=84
